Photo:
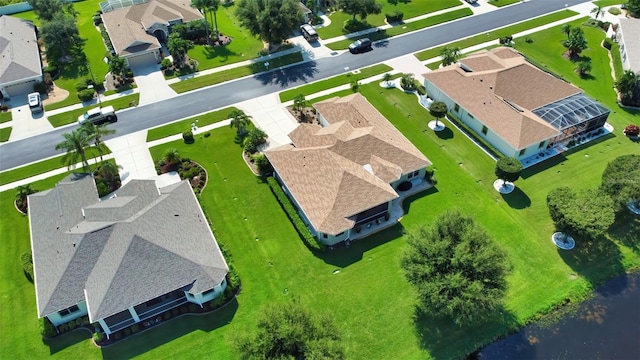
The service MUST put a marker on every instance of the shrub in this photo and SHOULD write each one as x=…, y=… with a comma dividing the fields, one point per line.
x=255, y=137
x=167, y=315
x=4, y=107
x=632, y=130
x=353, y=25
x=166, y=62
x=421, y=89
x=407, y=82
x=117, y=336
x=81, y=85
x=193, y=307
x=128, y=73
x=218, y=301
x=63, y=327
x=614, y=10
x=103, y=189
x=293, y=216
x=395, y=16
x=506, y=40
x=27, y=265
x=86, y=94
x=40, y=87
x=207, y=134
x=262, y=163
x=78, y=322
x=187, y=136
x=607, y=43
x=528, y=40
x=46, y=328
x=72, y=325
x=97, y=20
x=98, y=336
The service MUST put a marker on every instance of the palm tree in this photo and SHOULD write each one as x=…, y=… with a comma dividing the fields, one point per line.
x=75, y=144
x=23, y=191
x=240, y=121
x=201, y=6
x=299, y=102
x=213, y=5
x=109, y=170
x=172, y=156
x=566, y=29
x=387, y=78
x=626, y=85
x=449, y=55
x=598, y=11
x=178, y=47
x=583, y=68
x=95, y=134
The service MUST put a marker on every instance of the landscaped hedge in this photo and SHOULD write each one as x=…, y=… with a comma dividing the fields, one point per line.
x=27, y=265
x=293, y=216
x=467, y=130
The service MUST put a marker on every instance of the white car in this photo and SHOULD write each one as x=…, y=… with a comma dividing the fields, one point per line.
x=35, y=102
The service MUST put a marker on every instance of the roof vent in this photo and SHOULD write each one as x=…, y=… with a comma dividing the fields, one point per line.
x=368, y=168
x=465, y=67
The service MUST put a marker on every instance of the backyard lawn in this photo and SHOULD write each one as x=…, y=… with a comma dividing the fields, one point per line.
x=368, y=296
x=410, y=10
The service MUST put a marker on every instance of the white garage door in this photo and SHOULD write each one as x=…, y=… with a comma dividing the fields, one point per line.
x=144, y=59
x=20, y=89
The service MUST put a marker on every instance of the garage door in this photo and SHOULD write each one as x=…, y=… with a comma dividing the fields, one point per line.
x=20, y=89
x=144, y=59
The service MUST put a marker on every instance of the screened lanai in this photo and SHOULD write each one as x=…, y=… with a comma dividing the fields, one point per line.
x=573, y=116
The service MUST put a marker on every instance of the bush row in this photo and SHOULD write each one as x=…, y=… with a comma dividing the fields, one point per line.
x=395, y=16
x=106, y=39
x=471, y=133
x=27, y=265
x=293, y=216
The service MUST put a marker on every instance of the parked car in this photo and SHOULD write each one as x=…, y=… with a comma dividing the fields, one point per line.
x=35, y=102
x=360, y=45
x=99, y=116
x=309, y=33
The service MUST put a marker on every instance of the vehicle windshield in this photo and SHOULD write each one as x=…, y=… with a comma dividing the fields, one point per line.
x=86, y=115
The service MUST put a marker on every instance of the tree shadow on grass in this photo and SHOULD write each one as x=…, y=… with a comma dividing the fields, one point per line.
x=596, y=260
x=445, y=134
x=220, y=52
x=290, y=75
x=517, y=199
x=626, y=230
x=64, y=341
x=406, y=203
x=170, y=330
x=445, y=340
x=342, y=256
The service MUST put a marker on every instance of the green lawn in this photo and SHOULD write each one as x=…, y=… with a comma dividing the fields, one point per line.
x=43, y=166
x=605, y=3
x=334, y=82
x=501, y=3
x=235, y=73
x=5, y=133
x=617, y=61
x=72, y=116
x=184, y=125
x=405, y=28
x=5, y=116
x=410, y=10
x=496, y=34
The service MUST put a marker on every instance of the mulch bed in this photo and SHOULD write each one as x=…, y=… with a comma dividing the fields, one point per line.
x=306, y=116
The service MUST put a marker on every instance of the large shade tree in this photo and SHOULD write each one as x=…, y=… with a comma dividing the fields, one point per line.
x=586, y=214
x=75, y=144
x=272, y=20
x=61, y=37
x=45, y=10
x=291, y=331
x=621, y=180
x=362, y=8
x=457, y=270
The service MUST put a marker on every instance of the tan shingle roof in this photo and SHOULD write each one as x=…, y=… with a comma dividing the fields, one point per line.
x=503, y=98
x=127, y=27
x=326, y=168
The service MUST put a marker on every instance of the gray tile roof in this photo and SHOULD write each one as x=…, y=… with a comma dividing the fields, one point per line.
x=19, y=55
x=124, y=251
x=631, y=32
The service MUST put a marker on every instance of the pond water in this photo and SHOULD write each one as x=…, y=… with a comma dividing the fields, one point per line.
x=605, y=327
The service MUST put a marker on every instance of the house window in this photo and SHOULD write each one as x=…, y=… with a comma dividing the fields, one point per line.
x=339, y=234
x=522, y=152
x=207, y=292
x=484, y=130
x=541, y=145
x=325, y=236
x=410, y=175
x=69, y=310
x=456, y=107
x=471, y=116
x=415, y=173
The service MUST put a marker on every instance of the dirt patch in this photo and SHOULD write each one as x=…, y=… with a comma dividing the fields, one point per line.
x=55, y=95
x=306, y=116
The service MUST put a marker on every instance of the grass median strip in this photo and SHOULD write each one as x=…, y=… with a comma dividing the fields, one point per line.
x=44, y=166
x=501, y=3
x=493, y=35
x=404, y=28
x=334, y=81
x=5, y=116
x=5, y=133
x=235, y=73
x=72, y=116
x=184, y=125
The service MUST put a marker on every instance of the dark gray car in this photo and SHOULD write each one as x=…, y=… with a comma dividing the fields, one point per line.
x=360, y=45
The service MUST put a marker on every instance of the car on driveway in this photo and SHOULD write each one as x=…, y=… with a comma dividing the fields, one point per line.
x=35, y=102
x=360, y=45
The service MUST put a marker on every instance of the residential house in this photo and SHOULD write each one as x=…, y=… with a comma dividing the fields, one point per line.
x=20, y=65
x=628, y=37
x=137, y=31
x=346, y=173
x=122, y=260
x=516, y=107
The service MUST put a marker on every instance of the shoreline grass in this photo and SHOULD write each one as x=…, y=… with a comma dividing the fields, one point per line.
x=71, y=116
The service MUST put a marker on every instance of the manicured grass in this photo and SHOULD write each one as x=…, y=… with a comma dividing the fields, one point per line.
x=617, y=61
x=235, y=73
x=120, y=89
x=605, y=3
x=5, y=116
x=244, y=46
x=43, y=166
x=496, y=34
x=184, y=125
x=5, y=133
x=405, y=28
x=410, y=10
x=334, y=81
x=501, y=3
x=72, y=116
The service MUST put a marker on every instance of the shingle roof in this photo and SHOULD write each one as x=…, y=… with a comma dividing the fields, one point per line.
x=502, y=97
x=631, y=31
x=19, y=55
x=119, y=252
x=127, y=27
x=326, y=168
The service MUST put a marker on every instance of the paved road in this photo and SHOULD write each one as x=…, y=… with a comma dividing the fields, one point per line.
x=32, y=149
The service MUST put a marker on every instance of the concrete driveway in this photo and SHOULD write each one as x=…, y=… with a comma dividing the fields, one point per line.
x=24, y=123
x=151, y=84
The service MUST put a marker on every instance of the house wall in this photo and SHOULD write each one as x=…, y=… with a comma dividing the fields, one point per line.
x=408, y=177
x=329, y=239
x=626, y=65
x=57, y=320
x=201, y=298
x=304, y=218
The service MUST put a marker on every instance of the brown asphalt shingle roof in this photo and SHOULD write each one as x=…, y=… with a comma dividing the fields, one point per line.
x=326, y=168
x=502, y=93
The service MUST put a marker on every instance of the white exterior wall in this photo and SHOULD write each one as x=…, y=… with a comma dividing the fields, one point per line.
x=333, y=239
x=304, y=218
x=405, y=177
x=57, y=320
x=201, y=299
